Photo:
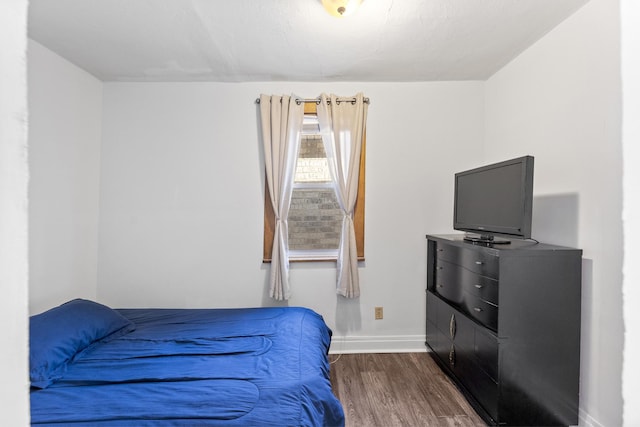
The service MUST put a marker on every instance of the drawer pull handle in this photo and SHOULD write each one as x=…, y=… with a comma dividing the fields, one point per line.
x=477, y=309
x=452, y=326
x=479, y=262
x=479, y=286
x=452, y=357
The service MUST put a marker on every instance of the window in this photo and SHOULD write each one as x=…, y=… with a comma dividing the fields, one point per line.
x=315, y=218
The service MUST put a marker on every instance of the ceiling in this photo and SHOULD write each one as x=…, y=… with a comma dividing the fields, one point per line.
x=292, y=40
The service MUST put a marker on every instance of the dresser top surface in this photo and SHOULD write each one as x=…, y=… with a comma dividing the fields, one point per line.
x=515, y=245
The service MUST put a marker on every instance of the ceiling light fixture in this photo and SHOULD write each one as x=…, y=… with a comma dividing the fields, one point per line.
x=341, y=8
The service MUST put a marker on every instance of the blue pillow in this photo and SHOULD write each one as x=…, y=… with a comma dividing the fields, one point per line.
x=58, y=335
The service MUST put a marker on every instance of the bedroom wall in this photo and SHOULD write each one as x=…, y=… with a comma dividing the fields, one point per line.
x=182, y=200
x=630, y=53
x=560, y=101
x=65, y=111
x=14, y=176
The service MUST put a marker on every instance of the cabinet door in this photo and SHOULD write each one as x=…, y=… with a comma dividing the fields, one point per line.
x=483, y=388
x=438, y=341
x=456, y=335
x=486, y=349
x=468, y=352
x=432, y=330
x=483, y=378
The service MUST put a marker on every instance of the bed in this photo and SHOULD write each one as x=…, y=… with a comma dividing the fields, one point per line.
x=93, y=365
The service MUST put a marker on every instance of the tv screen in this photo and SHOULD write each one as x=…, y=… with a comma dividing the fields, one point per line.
x=495, y=200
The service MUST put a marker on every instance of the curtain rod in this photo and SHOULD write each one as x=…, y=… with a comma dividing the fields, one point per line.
x=317, y=100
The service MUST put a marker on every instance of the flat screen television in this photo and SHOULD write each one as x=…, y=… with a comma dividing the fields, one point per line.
x=495, y=200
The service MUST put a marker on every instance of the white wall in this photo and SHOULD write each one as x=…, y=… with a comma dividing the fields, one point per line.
x=630, y=52
x=182, y=200
x=65, y=111
x=560, y=102
x=14, y=386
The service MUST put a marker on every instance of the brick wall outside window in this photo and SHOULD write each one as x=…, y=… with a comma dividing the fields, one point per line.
x=315, y=218
x=312, y=161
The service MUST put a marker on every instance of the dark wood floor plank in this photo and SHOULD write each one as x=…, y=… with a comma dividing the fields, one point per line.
x=398, y=389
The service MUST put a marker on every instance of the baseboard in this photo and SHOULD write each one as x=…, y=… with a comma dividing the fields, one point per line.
x=378, y=344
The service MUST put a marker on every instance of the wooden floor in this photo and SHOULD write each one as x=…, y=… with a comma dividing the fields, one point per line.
x=397, y=389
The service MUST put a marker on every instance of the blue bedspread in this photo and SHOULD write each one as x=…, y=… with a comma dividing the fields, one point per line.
x=202, y=367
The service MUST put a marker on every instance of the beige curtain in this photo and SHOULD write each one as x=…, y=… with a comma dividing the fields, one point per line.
x=342, y=125
x=281, y=122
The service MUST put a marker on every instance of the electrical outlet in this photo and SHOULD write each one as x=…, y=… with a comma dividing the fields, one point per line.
x=378, y=313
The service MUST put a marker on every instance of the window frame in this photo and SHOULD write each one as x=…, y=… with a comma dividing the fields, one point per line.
x=358, y=214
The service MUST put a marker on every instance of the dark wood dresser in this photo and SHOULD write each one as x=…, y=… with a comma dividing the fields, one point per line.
x=503, y=321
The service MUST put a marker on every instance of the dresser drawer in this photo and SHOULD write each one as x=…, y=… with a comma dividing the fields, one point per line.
x=483, y=311
x=447, y=281
x=452, y=280
x=481, y=262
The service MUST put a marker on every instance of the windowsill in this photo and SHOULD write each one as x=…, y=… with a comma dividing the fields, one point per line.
x=268, y=261
x=311, y=259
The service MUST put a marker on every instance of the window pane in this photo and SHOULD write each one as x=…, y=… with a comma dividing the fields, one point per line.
x=315, y=220
x=312, y=163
